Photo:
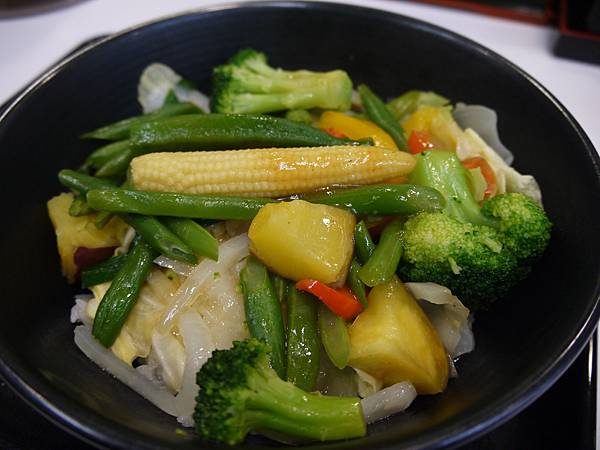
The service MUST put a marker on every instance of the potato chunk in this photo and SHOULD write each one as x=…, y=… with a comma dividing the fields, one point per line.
x=300, y=240
x=394, y=341
x=73, y=232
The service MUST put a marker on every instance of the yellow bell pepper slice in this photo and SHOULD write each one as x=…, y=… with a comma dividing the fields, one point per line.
x=355, y=128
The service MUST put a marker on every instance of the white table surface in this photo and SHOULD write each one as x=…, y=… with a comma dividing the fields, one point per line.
x=29, y=45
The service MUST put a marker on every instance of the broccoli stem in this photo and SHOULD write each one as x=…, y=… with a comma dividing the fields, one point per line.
x=281, y=407
x=443, y=171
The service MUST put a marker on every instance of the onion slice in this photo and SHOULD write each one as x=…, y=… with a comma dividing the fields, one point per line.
x=485, y=123
x=199, y=346
x=388, y=401
x=180, y=268
x=230, y=252
x=104, y=358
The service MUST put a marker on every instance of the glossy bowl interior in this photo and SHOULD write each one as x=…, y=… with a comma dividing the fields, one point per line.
x=523, y=343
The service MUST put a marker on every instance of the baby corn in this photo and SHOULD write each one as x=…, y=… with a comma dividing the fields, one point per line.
x=272, y=172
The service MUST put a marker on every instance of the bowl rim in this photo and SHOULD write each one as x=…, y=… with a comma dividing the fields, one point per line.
x=100, y=431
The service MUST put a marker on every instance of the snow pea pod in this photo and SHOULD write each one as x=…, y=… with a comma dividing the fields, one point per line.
x=334, y=335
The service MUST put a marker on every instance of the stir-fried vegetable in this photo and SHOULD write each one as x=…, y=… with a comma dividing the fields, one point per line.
x=479, y=253
x=240, y=393
x=194, y=236
x=263, y=311
x=384, y=200
x=120, y=130
x=274, y=172
x=340, y=301
x=299, y=240
x=394, y=341
x=382, y=264
x=303, y=345
x=378, y=113
x=176, y=205
x=102, y=272
x=75, y=232
x=337, y=123
x=247, y=84
x=334, y=335
x=122, y=294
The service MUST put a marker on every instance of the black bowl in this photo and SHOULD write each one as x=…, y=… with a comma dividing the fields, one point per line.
x=524, y=342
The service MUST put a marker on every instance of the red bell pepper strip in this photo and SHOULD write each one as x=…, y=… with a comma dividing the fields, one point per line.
x=341, y=302
x=486, y=171
x=335, y=133
x=419, y=142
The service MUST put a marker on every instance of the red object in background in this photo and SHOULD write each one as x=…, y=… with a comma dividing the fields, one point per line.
x=579, y=25
x=540, y=12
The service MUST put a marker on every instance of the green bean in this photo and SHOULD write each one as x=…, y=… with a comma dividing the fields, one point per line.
x=363, y=244
x=378, y=113
x=121, y=129
x=280, y=287
x=104, y=154
x=176, y=205
x=383, y=263
x=160, y=237
x=334, y=336
x=82, y=183
x=263, y=311
x=303, y=352
x=383, y=200
x=195, y=236
x=102, y=218
x=123, y=293
x=227, y=131
x=79, y=206
x=355, y=283
x=102, y=272
x=116, y=165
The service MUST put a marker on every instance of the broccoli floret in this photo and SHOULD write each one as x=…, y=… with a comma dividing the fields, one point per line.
x=443, y=171
x=478, y=253
x=240, y=392
x=468, y=259
x=524, y=226
x=246, y=84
